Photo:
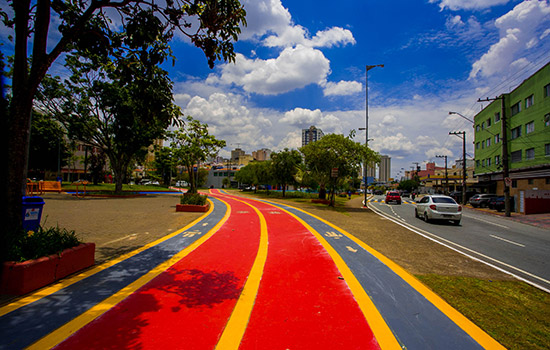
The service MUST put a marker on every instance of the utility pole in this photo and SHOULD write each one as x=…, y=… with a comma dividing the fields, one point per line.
x=505, y=162
x=446, y=175
x=463, y=133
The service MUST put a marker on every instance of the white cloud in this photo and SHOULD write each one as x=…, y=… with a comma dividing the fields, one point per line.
x=467, y=4
x=342, y=88
x=293, y=140
x=229, y=119
x=303, y=118
x=294, y=68
x=439, y=151
x=426, y=141
x=519, y=31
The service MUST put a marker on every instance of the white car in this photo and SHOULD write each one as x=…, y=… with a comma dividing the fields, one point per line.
x=438, y=207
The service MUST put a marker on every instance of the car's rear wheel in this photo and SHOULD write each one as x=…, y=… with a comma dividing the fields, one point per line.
x=456, y=222
x=415, y=213
x=426, y=218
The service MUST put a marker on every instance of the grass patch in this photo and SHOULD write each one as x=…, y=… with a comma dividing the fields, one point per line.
x=109, y=188
x=514, y=313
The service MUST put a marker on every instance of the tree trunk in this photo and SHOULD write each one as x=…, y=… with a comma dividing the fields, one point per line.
x=322, y=191
x=192, y=185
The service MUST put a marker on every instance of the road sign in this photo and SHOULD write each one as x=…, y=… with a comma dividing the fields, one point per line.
x=508, y=181
x=334, y=172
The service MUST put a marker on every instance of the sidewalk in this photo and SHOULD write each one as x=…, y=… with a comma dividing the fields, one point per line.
x=538, y=220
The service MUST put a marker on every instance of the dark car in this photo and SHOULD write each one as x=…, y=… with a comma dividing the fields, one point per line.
x=393, y=196
x=497, y=203
x=457, y=195
x=481, y=200
x=405, y=194
x=378, y=192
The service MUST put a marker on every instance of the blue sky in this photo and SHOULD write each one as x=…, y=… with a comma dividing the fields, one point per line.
x=302, y=63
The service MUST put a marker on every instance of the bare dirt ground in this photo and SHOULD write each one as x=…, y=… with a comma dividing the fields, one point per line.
x=116, y=225
x=121, y=225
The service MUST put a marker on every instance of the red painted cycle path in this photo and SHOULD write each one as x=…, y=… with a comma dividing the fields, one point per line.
x=208, y=298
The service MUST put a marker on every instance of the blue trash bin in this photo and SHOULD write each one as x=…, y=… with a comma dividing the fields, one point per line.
x=32, y=212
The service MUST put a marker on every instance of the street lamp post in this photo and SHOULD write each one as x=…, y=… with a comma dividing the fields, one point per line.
x=463, y=133
x=368, y=67
x=446, y=175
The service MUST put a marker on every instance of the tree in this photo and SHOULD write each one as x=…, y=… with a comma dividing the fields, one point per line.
x=192, y=144
x=118, y=101
x=164, y=164
x=211, y=25
x=48, y=147
x=255, y=173
x=335, y=152
x=408, y=185
x=284, y=167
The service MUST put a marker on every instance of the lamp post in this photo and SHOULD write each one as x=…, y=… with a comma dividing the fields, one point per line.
x=460, y=115
x=368, y=67
x=446, y=175
x=463, y=133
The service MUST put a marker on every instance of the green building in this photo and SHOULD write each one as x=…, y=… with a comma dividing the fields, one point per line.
x=527, y=112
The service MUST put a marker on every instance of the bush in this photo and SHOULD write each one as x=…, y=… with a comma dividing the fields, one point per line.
x=193, y=198
x=43, y=242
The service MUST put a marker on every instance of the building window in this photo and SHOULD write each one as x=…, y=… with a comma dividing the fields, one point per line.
x=547, y=180
x=547, y=149
x=488, y=162
x=516, y=156
x=530, y=154
x=529, y=127
x=488, y=142
x=547, y=90
x=514, y=183
x=516, y=132
x=497, y=160
x=482, y=144
x=483, y=163
x=489, y=122
x=516, y=108
x=483, y=126
x=497, y=138
x=529, y=101
x=477, y=164
x=531, y=181
x=547, y=120
x=497, y=117
x=477, y=145
x=477, y=127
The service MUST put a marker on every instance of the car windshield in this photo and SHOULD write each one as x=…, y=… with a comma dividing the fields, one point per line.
x=443, y=200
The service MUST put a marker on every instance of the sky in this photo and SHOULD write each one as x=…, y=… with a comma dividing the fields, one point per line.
x=303, y=63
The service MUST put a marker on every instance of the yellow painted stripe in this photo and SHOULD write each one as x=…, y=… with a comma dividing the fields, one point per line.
x=382, y=332
x=41, y=293
x=480, y=336
x=74, y=325
x=237, y=323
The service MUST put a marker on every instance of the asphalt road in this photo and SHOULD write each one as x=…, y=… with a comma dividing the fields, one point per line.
x=516, y=248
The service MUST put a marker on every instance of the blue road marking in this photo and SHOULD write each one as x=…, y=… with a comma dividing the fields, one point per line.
x=27, y=324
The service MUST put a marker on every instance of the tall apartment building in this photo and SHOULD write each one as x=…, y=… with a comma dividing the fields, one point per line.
x=236, y=153
x=311, y=135
x=384, y=173
x=527, y=113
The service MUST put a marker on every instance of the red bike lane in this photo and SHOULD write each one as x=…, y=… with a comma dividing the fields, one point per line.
x=188, y=305
x=202, y=302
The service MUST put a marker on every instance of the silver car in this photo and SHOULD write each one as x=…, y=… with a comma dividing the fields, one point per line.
x=438, y=207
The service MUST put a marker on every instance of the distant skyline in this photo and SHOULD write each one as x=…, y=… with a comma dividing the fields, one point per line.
x=302, y=63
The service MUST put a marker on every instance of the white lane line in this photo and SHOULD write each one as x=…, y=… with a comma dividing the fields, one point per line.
x=485, y=221
x=132, y=236
x=508, y=241
x=451, y=245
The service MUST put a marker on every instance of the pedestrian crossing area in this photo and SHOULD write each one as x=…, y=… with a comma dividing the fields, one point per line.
x=381, y=200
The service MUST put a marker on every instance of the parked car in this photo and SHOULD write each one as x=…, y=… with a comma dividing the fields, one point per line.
x=481, y=200
x=438, y=207
x=378, y=192
x=497, y=203
x=405, y=194
x=457, y=195
x=393, y=196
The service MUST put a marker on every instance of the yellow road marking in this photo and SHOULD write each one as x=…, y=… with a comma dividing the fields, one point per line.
x=480, y=336
x=41, y=293
x=236, y=325
x=80, y=321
